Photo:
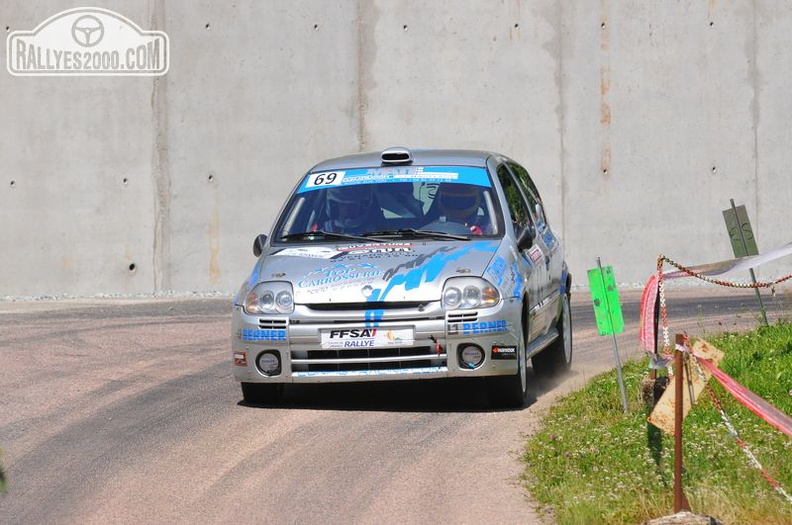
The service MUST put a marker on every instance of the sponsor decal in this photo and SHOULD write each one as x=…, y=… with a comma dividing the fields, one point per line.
x=339, y=338
x=249, y=334
x=385, y=175
x=87, y=41
x=324, y=252
x=311, y=252
x=484, y=327
x=497, y=270
x=536, y=254
x=376, y=248
x=339, y=274
x=240, y=358
x=504, y=352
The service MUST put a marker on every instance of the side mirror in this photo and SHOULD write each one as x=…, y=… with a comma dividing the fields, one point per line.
x=259, y=243
x=526, y=238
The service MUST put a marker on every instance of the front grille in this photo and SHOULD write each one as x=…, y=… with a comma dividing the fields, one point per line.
x=462, y=317
x=355, y=359
x=272, y=324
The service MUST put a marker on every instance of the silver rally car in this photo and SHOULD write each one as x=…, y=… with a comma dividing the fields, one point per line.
x=406, y=264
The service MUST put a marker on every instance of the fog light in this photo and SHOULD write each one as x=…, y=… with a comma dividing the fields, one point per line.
x=470, y=356
x=269, y=363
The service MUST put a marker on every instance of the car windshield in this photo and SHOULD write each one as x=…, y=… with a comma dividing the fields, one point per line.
x=457, y=201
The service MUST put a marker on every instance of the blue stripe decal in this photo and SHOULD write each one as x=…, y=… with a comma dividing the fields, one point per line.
x=428, y=272
x=373, y=317
x=518, y=281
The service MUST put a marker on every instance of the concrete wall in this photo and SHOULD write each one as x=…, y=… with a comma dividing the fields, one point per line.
x=638, y=120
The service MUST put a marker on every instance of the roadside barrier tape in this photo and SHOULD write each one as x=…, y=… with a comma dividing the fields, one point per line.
x=655, y=287
x=755, y=404
x=752, y=459
x=646, y=329
x=730, y=265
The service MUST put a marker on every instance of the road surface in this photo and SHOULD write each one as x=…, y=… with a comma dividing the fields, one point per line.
x=125, y=411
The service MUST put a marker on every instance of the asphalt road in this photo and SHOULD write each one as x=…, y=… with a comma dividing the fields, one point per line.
x=125, y=411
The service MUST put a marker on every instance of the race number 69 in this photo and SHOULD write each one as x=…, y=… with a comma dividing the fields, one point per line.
x=327, y=178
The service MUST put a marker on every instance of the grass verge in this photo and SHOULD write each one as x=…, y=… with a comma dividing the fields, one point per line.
x=592, y=463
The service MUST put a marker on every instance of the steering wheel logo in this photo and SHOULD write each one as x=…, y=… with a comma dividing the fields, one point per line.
x=87, y=31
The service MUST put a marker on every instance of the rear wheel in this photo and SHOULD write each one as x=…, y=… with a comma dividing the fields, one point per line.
x=511, y=391
x=557, y=357
x=258, y=393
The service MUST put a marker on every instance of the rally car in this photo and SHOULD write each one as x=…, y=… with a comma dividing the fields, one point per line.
x=406, y=265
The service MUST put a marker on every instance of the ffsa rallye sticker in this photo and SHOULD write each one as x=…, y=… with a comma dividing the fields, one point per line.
x=366, y=337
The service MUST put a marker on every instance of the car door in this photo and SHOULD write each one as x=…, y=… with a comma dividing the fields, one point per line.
x=551, y=245
x=530, y=260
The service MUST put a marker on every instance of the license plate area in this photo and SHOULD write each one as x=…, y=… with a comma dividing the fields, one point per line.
x=360, y=338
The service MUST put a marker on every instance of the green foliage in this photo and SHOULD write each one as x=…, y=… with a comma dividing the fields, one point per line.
x=592, y=463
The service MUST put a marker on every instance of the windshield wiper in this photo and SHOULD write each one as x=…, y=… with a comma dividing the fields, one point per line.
x=425, y=234
x=324, y=235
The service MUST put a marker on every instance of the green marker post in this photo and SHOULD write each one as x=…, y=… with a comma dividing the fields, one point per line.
x=608, y=312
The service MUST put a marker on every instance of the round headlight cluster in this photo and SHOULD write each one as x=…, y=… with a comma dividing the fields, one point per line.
x=274, y=297
x=462, y=293
x=284, y=301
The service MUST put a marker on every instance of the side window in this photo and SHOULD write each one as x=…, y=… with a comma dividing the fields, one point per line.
x=514, y=200
x=529, y=190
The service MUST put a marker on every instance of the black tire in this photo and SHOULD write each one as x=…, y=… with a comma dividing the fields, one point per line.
x=511, y=391
x=557, y=358
x=259, y=394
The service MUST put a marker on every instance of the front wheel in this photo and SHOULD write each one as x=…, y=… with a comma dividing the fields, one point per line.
x=557, y=358
x=511, y=391
x=258, y=393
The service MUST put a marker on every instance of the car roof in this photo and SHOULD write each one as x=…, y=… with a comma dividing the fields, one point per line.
x=421, y=157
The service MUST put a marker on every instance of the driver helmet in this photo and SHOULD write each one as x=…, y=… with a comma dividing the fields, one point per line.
x=348, y=206
x=459, y=201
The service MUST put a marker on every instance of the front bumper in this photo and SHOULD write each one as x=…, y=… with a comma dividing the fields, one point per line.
x=422, y=342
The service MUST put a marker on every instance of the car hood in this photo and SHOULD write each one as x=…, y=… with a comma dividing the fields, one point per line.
x=377, y=271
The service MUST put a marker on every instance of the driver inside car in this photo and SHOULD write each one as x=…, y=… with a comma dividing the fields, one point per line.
x=350, y=209
x=460, y=203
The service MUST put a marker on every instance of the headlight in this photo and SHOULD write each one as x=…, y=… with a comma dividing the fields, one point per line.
x=464, y=293
x=274, y=297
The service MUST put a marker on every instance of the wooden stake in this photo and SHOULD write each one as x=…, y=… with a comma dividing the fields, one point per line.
x=680, y=501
